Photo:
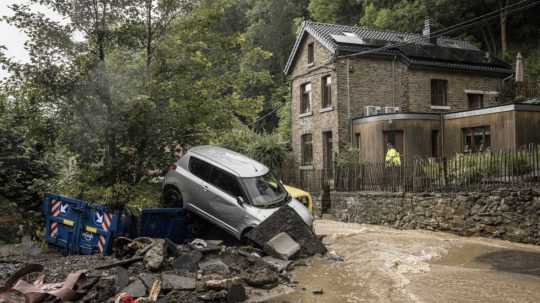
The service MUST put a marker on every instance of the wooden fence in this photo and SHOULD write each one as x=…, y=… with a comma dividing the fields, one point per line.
x=464, y=172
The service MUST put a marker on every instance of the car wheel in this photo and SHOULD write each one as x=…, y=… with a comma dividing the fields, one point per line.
x=172, y=198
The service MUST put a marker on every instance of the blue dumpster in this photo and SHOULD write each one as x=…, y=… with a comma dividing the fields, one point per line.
x=78, y=227
x=165, y=223
x=63, y=217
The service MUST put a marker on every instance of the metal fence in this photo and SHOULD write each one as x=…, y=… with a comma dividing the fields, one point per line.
x=464, y=172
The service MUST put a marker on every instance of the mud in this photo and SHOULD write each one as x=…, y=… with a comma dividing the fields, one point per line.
x=386, y=265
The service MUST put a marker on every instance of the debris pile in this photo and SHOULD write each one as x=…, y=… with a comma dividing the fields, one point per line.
x=158, y=270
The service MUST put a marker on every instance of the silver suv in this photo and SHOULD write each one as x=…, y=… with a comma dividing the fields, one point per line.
x=227, y=188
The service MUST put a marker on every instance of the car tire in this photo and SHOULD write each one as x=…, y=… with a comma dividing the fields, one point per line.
x=172, y=198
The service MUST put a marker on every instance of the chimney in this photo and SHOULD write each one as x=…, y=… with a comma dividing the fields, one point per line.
x=427, y=28
x=427, y=31
x=520, y=71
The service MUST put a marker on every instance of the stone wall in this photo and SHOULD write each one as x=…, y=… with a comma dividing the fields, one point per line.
x=506, y=213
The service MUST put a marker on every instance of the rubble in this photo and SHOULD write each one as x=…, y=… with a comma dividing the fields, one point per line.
x=188, y=261
x=286, y=220
x=175, y=282
x=215, y=266
x=155, y=256
x=159, y=270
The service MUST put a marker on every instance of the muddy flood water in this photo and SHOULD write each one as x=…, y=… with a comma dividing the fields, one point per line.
x=386, y=265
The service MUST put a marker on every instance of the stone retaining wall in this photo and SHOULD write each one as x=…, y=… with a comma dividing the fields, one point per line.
x=507, y=214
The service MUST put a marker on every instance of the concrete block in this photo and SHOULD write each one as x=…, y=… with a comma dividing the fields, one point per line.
x=282, y=246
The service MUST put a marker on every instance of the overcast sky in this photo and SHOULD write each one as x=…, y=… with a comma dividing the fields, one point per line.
x=13, y=39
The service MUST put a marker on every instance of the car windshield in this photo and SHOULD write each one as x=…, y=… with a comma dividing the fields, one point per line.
x=265, y=190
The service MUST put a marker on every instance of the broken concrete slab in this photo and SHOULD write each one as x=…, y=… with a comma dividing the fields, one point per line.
x=281, y=246
x=155, y=256
x=214, y=266
x=136, y=289
x=287, y=220
x=148, y=279
x=121, y=280
x=188, y=261
x=277, y=264
x=176, y=282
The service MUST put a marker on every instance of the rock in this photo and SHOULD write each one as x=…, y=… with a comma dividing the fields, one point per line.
x=188, y=261
x=318, y=291
x=262, y=278
x=154, y=257
x=335, y=257
x=148, y=279
x=281, y=246
x=222, y=283
x=288, y=221
x=122, y=278
x=236, y=293
x=277, y=264
x=175, y=282
x=136, y=289
x=213, y=296
x=214, y=266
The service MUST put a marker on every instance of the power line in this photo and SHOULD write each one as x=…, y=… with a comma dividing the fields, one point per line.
x=509, y=10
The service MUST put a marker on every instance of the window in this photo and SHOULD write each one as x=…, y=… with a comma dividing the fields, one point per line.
x=305, y=98
x=349, y=34
x=200, y=168
x=475, y=101
x=439, y=92
x=226, y=182
x=265, y=191
x=311, y=53
x=326, y=91
x=307, y=149
x=476, y=139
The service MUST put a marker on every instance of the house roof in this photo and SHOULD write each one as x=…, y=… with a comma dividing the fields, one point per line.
x=441, y=52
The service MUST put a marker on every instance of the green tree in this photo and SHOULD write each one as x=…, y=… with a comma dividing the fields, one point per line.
x=338, y=11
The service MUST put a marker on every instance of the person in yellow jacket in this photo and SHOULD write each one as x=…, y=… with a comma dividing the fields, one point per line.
x=393, y=158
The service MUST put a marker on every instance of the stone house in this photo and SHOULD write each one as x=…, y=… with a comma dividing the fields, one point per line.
x=361, y=87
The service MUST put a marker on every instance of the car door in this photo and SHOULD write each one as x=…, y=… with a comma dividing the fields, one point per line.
x=195, y=186
x=224, y=204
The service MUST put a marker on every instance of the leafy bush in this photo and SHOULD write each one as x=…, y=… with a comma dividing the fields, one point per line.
x=265, y=148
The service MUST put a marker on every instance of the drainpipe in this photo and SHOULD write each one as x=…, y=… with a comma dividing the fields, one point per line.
x=442, y=149
x=394, y=81
x=349, y=118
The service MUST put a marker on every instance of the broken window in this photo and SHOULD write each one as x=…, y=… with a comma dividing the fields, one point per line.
x=476, y=139
x=475, y=101
x=305, y=98
x=439, y=92
x=311, y=53
x=326, y=91
x=307, y=149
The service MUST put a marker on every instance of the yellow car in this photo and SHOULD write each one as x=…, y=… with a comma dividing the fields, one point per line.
x=303, y=196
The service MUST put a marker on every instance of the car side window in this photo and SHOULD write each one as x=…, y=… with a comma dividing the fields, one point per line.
x=226, y=182
x=200, y=168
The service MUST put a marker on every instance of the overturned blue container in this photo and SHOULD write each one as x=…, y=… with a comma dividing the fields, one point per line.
x=165, y=223
x=78, y=227
x=63, y=219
